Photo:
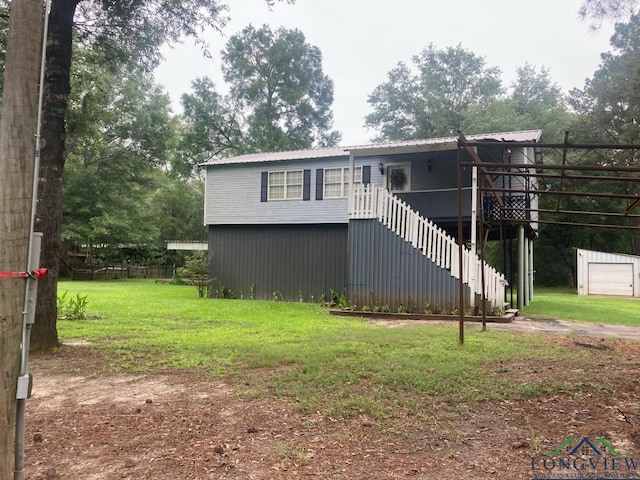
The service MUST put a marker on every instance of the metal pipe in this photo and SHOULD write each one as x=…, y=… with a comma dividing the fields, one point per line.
x=569, y=194
x=576, y=146
x=521, y=273
x=483, y=242
x=572, y=212
x=530, y=259
x=24, y=379
x=460, y=258
x=577, y=224
x=577, y=168
x=474, y=219
x=512, y=275
x=598, y=178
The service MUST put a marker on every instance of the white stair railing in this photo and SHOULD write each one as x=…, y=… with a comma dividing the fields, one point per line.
x=371, y=202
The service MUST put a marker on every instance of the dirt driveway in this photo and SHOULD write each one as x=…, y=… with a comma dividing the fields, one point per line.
x=545, y=326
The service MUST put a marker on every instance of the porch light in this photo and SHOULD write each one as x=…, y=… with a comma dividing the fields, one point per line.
x=381, y=168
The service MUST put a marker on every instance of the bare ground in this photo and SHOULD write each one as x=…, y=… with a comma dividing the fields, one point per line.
x=102, y=426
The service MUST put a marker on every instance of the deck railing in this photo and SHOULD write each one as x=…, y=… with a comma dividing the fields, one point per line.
x=369, y=202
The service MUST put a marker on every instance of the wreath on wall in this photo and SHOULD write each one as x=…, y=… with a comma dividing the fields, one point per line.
x=397, y=179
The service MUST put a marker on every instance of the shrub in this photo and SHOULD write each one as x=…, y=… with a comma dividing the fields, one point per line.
x=195, y=269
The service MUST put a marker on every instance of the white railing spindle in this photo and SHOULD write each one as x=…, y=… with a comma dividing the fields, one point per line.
x=371, y=202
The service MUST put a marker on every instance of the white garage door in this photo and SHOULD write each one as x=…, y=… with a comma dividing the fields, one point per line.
x=611, y=279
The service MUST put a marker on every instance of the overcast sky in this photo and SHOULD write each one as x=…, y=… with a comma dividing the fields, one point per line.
x=361, y=40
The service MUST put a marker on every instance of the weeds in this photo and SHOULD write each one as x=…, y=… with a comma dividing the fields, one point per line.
x=71, y=308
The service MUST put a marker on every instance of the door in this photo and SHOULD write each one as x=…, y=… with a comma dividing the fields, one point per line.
x=611, y=279
x=398, y=177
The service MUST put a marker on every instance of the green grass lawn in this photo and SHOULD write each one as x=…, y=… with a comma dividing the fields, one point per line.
x=565, y=304
x=345, y=365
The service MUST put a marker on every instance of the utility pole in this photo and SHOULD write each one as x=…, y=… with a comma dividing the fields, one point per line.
x=17, y=146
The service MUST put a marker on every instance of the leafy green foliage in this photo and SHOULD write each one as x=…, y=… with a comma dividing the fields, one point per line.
x=609, y=108
x=453, y=89
x=279, y=98
x=598, y=10
x=72, y=308
x=214, y=123
x=121, y=139
x=432, y=99
x=124, y=32
x=609, y=99
x=136, y=29
x=195, y=269
x=177, y=207
x=278, y=77
x=534, y=101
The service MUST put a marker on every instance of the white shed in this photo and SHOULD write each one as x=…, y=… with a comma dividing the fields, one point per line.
x=601, y=273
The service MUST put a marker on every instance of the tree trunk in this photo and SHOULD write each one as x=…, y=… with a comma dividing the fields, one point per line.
x=17, y=147
x=49, y=211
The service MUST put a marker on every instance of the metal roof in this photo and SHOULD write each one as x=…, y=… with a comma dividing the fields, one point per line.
x=407, y=146
x=282, y=156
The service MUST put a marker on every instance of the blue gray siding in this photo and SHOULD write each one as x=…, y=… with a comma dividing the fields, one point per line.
x=429, y=170
x=233, y=194
x=441, y=206
x=294, y=260
x=386, y=270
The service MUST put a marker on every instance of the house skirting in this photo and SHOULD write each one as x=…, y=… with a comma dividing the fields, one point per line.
x=386, y=272
x=290, y=262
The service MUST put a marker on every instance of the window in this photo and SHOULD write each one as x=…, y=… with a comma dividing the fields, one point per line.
x=285, y=185
x=336, y=181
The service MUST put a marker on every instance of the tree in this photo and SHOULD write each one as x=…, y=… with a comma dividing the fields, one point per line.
x=433, y=99
x=119, y=131
x=534, y=101
x=195, y=270
x=598, y=10
x=279, y=98
x=125, y=30
x=606, y=112
x=17, y=146
x=214, y=124
x=277, y=76
x=177, y=206
x=609, y=105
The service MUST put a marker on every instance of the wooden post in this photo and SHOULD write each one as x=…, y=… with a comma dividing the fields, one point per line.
x=17, y=147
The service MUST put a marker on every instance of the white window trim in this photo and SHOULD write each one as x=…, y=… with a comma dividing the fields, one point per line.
x=407, y=169
x=286, y=197
x=343, y=184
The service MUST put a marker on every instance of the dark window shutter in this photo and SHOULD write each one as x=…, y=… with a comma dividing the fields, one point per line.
x=319, y=183
x=366, y=175
x=264, y=186
x=306, y=185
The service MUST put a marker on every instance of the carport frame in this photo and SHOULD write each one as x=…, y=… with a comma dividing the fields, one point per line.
x=467, y=157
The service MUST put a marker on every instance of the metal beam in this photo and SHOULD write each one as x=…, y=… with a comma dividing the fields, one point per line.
x=592, y=168
x=574, y=224
x=631, y=207
x=477, y=161
x=566, y=194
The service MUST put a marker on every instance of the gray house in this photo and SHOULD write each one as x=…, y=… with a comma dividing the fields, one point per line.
x=374, y=221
